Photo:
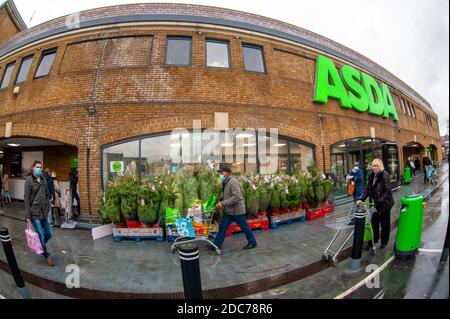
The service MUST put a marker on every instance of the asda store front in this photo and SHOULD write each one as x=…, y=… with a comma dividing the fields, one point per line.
x=250, y=152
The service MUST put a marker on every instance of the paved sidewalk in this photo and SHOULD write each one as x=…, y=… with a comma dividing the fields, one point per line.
x=149, y=267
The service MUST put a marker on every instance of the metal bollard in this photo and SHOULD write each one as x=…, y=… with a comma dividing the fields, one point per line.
x=358, y=238
x=444, y=255
x=11, y=258
x=190, y=270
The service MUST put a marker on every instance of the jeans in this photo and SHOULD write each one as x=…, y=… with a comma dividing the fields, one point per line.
x=241, y=220
x=382, y=218
x=75, y=195
x=43, y=229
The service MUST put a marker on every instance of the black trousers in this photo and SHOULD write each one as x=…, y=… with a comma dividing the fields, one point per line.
x=383, y=218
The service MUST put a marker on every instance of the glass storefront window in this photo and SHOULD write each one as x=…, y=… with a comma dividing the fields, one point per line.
x=155, y=155
x=165, y=154
x=120, y=159
x=301, y=156
x=362, y=150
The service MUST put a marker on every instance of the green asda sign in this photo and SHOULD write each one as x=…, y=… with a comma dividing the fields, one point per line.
x=353, y=89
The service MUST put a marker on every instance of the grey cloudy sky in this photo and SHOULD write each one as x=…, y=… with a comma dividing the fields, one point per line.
x=410, y=38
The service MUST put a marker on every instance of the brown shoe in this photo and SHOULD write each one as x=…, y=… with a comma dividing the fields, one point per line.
x=50, y=261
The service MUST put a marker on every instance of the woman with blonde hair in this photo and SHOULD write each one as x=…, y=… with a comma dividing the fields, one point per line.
x=379, y=191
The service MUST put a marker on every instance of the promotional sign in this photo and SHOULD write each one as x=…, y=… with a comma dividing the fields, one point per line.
x=364, y=94
x=74, y=162
x=117, y=166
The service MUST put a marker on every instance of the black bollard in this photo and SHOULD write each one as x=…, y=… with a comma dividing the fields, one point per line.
x=11, y=258
x=358, y=237
x=444, y=255
x=190, y=270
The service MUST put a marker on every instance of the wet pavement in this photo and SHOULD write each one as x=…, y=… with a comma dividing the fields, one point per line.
x=422, y=277
x=149, y=267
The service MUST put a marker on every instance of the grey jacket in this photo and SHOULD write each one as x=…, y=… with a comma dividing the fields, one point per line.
x=38, y=209
x=232, y=199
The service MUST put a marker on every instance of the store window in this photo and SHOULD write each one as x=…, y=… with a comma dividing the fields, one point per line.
x=7, y=75
x=253, y=58
x=121, y=159
x=178, y=51
x=165, y=154
x=46, y=63
x=217, y=54
x=24, y=68
x=362, y=150
x=301, y=156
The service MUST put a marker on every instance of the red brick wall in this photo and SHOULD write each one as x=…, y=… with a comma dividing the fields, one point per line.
x=7, y=26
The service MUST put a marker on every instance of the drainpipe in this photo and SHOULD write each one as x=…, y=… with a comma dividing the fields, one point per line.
x=91, y=110
x=323, y=146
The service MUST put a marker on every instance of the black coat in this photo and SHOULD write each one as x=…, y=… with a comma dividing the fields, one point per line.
x=37, y=207
x=380, y=192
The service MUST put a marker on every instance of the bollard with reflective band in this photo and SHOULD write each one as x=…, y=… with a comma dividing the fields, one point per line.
x=11, y=259
x=358, y=238
x=190, y=270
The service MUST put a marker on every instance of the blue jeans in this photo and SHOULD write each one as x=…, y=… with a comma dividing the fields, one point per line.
x=241, y=220
x=43, y=229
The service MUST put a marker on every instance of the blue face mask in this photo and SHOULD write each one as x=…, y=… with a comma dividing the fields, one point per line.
x=222, y=178
x=37, y=171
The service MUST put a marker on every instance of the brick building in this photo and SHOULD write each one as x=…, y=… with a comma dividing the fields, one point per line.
x=108, y=85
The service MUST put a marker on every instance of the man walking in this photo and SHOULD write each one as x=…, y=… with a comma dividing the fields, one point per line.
x=356, y=175
x=233, y=204
x=37, y=201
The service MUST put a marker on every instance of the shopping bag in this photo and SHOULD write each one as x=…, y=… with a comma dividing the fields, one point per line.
x=171, y=214
x=210, y=203
x=33, y=241
x=368, y=230
x=351, y=188
x=185, y=227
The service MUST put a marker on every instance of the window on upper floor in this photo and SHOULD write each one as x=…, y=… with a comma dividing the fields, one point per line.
x=45, y=64
x=413, y=109
x=178, y=51
x=217, y=54
x=253, y=58
x=7, y=75
x=24, y=68
x=402, y=102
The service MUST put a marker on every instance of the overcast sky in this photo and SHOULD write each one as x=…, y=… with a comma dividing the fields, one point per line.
x=410, y=38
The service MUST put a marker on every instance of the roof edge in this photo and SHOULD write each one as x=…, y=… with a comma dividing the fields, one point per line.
x=15, y=15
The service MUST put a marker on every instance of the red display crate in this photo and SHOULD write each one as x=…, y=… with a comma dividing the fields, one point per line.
x=260, y=223
x=328, y=209
x=312, y=214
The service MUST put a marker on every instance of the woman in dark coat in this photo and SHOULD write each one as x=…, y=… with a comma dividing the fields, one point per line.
x=379, y=191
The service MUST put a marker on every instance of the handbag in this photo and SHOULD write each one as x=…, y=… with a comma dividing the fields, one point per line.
x=351, y=188
x=33, y=241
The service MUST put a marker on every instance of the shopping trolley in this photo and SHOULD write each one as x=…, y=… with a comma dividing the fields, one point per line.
x=329, y=253
x=433, y=176
x=194, y=228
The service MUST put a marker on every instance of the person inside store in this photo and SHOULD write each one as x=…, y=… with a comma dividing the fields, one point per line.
x=73, y=179
x=379, y=191
x=37, y=201
x=57, y=195
x=232, y=202
x=426, y=163
x=5, y=183
x=356, y=175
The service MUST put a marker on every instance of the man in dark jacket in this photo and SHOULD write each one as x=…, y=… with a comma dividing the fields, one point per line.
x=37, y=200
x=233, y=205
x=379, y=190
x=356, y=175
x=426, y=163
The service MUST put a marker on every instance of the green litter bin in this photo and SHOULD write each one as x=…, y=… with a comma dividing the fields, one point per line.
x=409, y=230
x=407, y=175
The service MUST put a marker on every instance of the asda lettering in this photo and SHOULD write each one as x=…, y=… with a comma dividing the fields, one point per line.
x=364, y=94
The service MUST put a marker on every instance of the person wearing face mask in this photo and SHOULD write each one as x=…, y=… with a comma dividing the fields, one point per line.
x=37, y=202
x=233, y=205
x=356, y=175
x=379, y=191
